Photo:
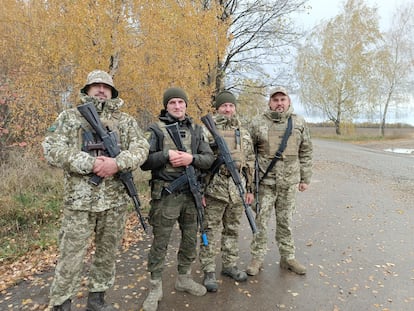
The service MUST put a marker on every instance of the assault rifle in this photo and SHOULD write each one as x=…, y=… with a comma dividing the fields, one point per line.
x=109, y=141
x=191, y=179
x=231, y=167
x=256, y=179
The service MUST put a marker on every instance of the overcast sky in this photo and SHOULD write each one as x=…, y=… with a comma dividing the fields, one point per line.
x=324, y=10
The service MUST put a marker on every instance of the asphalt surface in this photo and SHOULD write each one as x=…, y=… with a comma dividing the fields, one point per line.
x=354, y=231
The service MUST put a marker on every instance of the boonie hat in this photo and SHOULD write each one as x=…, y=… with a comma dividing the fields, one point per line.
x=100, y=76
x=279, y=89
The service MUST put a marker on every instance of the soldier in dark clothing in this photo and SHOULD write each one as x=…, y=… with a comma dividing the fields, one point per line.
x=167, y=164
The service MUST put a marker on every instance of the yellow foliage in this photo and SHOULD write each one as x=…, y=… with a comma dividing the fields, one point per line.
x=147, y=46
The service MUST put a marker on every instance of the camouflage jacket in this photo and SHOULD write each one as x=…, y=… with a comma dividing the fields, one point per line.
x=221, y=185
x=295, y=166
x=62, y=148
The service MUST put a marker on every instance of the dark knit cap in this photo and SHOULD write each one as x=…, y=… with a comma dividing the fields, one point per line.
x=174, y=92
x=224, y=97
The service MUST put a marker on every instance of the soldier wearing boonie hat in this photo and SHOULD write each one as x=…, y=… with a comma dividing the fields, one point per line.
x=90, y=210
x=99, y=76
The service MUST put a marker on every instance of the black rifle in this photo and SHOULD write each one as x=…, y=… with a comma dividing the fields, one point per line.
x=109, y=141
x=257, y=179
x=231, y=167
x=191, y=179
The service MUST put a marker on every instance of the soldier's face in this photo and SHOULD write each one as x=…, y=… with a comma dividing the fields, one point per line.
x=177, y=108
x=227, y=109
x=100, y=90
x=279, y=102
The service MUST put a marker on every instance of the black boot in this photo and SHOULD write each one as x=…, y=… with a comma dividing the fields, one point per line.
x=96, y=302
x=64, y=306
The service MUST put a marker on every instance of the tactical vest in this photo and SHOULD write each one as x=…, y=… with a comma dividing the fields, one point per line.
x=234, y=145
x=95, y=149
x=169, y=144
x=275, y=136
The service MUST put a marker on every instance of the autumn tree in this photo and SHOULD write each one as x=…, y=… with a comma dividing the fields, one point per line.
x=52, y=41
x=146, y=46
x=336, y=62
x=179, y=40
x=395, y=64
x=260, y=33
x=251, y=100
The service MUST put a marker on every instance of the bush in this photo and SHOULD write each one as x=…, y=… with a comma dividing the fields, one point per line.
x=31, y=193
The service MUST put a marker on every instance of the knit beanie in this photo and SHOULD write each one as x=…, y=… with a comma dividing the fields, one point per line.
x=224, y=97
x=174, y=92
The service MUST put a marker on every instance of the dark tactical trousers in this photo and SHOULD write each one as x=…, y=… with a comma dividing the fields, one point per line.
x=164, y=213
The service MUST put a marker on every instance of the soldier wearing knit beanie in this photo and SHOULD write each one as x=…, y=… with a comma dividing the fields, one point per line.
x=224, y=97
x=174, y=92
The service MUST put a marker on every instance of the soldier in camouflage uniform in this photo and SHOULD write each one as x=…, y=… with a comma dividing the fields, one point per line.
x=278, y=190
x=167, y=164
x=90, y=209
x=224, y=207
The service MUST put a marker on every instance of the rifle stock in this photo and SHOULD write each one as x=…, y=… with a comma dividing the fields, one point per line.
x=174, y=132
x=109, y=141
x=231, y=167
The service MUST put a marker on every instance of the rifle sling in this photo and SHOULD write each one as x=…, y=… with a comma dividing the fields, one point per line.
x=279, y=152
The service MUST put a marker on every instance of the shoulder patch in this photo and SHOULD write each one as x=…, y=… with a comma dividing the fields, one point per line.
x=52, y=128
x=148, y=135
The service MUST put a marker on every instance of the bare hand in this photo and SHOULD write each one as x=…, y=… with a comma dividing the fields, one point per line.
x=249, y=198
x=302, y=187
x=105, y=167
x=180, y=158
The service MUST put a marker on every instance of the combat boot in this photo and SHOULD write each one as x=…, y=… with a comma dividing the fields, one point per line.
x=254, y=267
x=96, y=302
x=64, y=306
x=185, y=283
x=292, y=265
x=154, y=296
x=235, y=274
x=210, y=281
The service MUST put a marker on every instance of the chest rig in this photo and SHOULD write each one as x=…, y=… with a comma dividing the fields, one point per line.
x=185, y=134
x=233, y=141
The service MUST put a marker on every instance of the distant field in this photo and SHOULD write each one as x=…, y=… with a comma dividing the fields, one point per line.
x=395, y=133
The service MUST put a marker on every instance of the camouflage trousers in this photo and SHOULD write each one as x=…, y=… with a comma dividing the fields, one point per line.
x=163, y=215
x=221, y=217
x=74, y=240
x=282, y=200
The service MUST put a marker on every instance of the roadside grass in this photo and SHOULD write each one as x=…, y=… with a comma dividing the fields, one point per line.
x=363, y=134
x=31, y=194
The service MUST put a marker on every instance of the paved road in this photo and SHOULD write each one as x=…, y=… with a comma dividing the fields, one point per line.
x=354, y=230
